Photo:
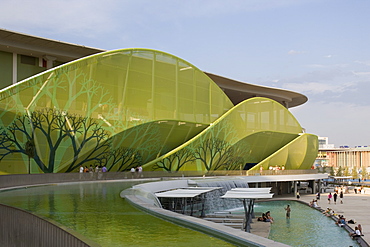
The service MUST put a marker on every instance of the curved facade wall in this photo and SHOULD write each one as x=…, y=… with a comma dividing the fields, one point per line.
x=132, y=107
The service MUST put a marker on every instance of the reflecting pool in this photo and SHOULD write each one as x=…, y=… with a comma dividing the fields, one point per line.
x=98, y=212
x=306, y=226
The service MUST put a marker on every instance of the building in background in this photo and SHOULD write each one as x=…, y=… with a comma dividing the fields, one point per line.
x=66, y=106
x=350, y=161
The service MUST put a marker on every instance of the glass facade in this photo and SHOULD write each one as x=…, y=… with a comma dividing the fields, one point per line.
x=132, y=107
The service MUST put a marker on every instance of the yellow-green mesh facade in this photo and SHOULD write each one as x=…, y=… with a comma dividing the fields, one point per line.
x=132, y=107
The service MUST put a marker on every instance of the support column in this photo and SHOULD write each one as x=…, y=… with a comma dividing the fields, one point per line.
x=295, y=188
x=15, y=68
x=319, y=185
x=49, y=61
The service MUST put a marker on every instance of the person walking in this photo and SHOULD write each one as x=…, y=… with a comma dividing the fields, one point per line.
x=329, y=197
x=335, y=196
x=341, y=196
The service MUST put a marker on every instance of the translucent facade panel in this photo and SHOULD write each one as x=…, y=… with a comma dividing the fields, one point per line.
x=135, y=107
x=246, y=135
x=299, y=154
x=106, y=107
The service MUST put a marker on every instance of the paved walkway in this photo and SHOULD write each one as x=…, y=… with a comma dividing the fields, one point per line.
x=355, y=206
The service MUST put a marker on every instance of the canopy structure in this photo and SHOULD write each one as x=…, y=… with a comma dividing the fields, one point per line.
x=252, y=190
x=184, y=195
x=251, y=194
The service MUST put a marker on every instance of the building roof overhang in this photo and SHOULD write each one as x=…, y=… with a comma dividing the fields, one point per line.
x=29, y=45
x=239, y=91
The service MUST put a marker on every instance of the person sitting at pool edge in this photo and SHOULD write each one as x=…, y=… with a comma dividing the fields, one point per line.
x=356, y=233
x=341, y=221
x=269, y=218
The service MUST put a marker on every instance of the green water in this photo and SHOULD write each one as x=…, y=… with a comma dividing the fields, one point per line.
x=98, y=212
x=306, y=226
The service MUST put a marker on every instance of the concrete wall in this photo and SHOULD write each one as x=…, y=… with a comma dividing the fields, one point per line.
x=20, y=228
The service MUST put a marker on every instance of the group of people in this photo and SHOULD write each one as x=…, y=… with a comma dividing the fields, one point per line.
x=314, y=203
x=359, y=190
x=335, y=197
x=266, y=217
x=98, y=170
x=91, y=169
x=342, y=221
x=136, y=172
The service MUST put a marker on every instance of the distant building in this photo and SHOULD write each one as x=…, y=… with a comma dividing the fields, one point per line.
x=344, y=156
x=324, y=143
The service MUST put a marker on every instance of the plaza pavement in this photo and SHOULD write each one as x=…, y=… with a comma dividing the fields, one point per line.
x=355, y=206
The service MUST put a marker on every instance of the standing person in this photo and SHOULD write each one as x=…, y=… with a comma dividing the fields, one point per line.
x=91, y=171
x=335, y=196
x=132, y=172
x=97, y=170
x=81, y=171
x=318, y=196
x=341, y=196
x=137, y=172
x=140, y=169
x=104, y=170
x=298, y=195
x=288, y=209
x=100, y=172
x=329, y=197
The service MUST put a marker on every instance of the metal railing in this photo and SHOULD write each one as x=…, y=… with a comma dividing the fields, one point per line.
x=20, y=180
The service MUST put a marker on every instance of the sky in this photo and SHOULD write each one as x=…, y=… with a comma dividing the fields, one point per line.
x=319, y=48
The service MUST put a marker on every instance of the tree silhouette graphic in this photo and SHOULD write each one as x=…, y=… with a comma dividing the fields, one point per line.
x=175, y=161
x=54, y=129
x=214, y=154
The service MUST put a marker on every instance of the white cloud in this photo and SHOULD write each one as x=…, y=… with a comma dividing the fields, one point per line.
x=361, y=73
x=319, y=87
x=294, y=52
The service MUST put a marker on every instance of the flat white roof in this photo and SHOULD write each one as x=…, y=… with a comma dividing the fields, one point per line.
x=252, y=190
x=247, y=195
x=184, y=193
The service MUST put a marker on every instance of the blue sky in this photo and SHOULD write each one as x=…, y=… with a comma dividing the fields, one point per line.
x=320, y=48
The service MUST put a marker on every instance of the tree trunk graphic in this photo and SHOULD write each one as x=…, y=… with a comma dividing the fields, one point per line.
x=175, y=161
x=214, y=154
x=52, y=128
x=121, y=159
